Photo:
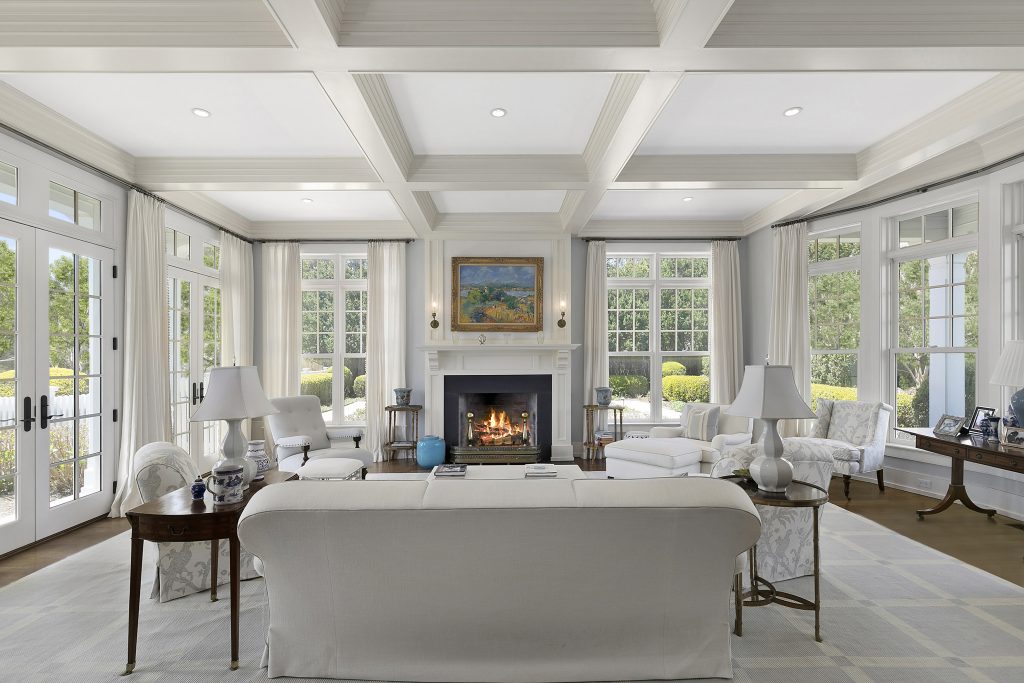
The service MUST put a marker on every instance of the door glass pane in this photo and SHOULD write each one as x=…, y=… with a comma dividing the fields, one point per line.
x=8, y=184
x=212, y=357
x=630, y=380
x=88, y=437
x=89, y=395
x=88, y=211
x=62, y=483
x=179, y=351
x=88, y=479
x=62, y=439
x=62, y=203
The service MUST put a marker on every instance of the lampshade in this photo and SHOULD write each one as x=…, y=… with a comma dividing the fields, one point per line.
x=1009, y=370
x=234, y=393
x=769, y=391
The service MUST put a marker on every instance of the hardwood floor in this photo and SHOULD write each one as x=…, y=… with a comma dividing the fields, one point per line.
x=995, y=545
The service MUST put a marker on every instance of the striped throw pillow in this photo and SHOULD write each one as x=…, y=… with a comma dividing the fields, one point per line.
x=702, y=423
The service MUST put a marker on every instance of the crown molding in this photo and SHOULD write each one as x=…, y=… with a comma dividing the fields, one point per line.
x=256, y=173
x=331, y=230
x=663, y=229
x=27, y=116
x=693, y=171
x=213, y=211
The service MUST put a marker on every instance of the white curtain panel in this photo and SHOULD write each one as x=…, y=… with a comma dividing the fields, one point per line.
x=281, y=298
x=146, y=400
x=595, y=324
x=789, y=333
x=385, y=336
x=726, y=322
x=236, y=287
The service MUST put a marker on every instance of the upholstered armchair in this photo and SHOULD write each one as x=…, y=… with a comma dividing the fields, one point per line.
x=785, y=549
x=855, y=432
x=302, y=416
x=182, y=568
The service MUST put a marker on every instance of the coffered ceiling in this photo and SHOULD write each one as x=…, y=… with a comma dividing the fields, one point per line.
x=615, y=112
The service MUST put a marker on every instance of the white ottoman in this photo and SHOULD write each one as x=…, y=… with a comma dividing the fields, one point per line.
x=331, y=468
x=650, y=458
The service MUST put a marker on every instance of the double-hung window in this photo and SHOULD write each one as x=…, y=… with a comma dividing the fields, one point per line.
x=935, y=314
x=334, y=312
x=659, y=323
x=833, y=293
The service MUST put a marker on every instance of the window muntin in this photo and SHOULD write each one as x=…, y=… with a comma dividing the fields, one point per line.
x=8, y=183
x=72, y=206
x=833, y=247
x=334, y=322
x=658, y=333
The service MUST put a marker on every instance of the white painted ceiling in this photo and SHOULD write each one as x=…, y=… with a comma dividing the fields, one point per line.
x=548, y=113
x=498, y=201
x=707, y=205
x=352, y=205
x=150, y=115
x=842, y=112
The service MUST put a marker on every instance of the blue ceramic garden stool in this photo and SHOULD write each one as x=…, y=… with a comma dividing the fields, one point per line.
x=430, y=451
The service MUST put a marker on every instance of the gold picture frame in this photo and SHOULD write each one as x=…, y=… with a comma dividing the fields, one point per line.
x=497, y=294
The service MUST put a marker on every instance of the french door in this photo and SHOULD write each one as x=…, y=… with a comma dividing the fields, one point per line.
x=56, y=383
x=193, y=320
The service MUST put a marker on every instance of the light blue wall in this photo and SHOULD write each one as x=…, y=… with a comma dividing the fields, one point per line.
x=756, y=288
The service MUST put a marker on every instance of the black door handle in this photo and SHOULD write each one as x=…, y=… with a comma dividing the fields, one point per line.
x=44, y=412
x=202, y=392
x=27, y=411
x=195, y=394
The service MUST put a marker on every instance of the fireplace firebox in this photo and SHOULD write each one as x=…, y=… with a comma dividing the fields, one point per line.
x=498, y=418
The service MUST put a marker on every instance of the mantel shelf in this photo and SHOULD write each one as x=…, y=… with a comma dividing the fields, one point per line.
x=499, y=347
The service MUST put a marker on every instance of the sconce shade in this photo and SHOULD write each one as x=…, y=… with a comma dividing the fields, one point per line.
x=769, y=391
x=235, y=393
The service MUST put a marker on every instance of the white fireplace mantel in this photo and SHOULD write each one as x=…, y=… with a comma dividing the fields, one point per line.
x=504, y=359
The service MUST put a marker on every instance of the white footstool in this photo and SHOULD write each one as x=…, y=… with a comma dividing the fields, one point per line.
x=651, y=458
x=331, y=469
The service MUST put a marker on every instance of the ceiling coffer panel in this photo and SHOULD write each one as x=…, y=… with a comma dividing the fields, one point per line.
x=522, y=23
x=130, y=23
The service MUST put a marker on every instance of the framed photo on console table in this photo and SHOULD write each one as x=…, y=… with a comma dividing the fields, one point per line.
x=1012, y=437
x=497, y=294
x=949, y=425
x=981, y=416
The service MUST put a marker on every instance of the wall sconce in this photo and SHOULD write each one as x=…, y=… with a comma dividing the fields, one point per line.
x=561, y=321
x=434, y=324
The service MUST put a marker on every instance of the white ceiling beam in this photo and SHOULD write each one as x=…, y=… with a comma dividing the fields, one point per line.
x=501, y=222
x=662, y=229
x=246, y=173
x=719, y=171
x=215, y=212
x=695, y=21
x=635, y=118
x=331, y=230
x=487, y=171
x=303, y=22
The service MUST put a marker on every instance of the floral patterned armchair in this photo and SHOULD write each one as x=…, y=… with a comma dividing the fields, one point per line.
x=856, y=433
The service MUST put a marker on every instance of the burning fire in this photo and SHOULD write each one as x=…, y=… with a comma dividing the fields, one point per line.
x=497, y=429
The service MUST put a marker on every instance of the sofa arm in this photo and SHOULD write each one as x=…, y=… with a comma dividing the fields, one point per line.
x=666, y=432
x=721, y=441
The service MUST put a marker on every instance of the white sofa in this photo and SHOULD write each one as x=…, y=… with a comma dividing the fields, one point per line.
x=301, y=416
x=667, y=453
x=499, y=580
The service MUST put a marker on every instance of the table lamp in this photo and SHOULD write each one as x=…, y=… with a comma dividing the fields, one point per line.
x=235, y=394
x=769, y=393
x=1009, y=372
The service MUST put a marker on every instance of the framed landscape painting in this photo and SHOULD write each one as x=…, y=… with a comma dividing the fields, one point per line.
x=495, y=294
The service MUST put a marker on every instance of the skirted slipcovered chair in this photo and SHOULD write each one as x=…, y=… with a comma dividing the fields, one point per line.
x=302, y=416
x=855, y=433
x=182, y=568
x=785, y=549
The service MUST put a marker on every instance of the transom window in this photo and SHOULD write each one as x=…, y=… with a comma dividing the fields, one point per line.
x=8, y=183
x=334, y=311
x=658, y=332
x=72, y=206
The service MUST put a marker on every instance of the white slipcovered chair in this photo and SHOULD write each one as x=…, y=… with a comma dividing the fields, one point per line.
x=785, y=549
x=182, y=568
x=855, y=433
x=302, y=416
x=667, y=453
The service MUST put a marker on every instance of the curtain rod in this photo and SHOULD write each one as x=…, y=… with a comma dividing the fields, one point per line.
x=660, y=239
x=117, y=180
x=406, y=240
x=984, y=170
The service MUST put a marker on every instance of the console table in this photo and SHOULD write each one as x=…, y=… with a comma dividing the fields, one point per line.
x=960, y=450
x=175, y=517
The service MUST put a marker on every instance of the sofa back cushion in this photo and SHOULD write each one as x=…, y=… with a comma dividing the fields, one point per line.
x=854, y=422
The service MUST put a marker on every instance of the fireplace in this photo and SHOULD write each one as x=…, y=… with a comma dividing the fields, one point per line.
x=498, y=418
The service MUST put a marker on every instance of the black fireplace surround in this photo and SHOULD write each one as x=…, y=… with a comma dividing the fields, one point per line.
x=454, y=385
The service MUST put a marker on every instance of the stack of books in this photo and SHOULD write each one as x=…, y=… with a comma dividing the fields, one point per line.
x=449, y=470
x=540, y=470
x=604, y=437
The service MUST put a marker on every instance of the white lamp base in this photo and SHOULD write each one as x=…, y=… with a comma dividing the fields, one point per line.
x=233, y=449
x=771, y=471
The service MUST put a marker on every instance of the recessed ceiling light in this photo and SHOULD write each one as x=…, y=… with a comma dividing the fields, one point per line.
x=687, y=199
x=307, y=200
x=498, y=112
x=792, y=111
x=201, y=113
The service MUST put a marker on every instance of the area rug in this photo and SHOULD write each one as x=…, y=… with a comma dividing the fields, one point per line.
x=894, y=611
